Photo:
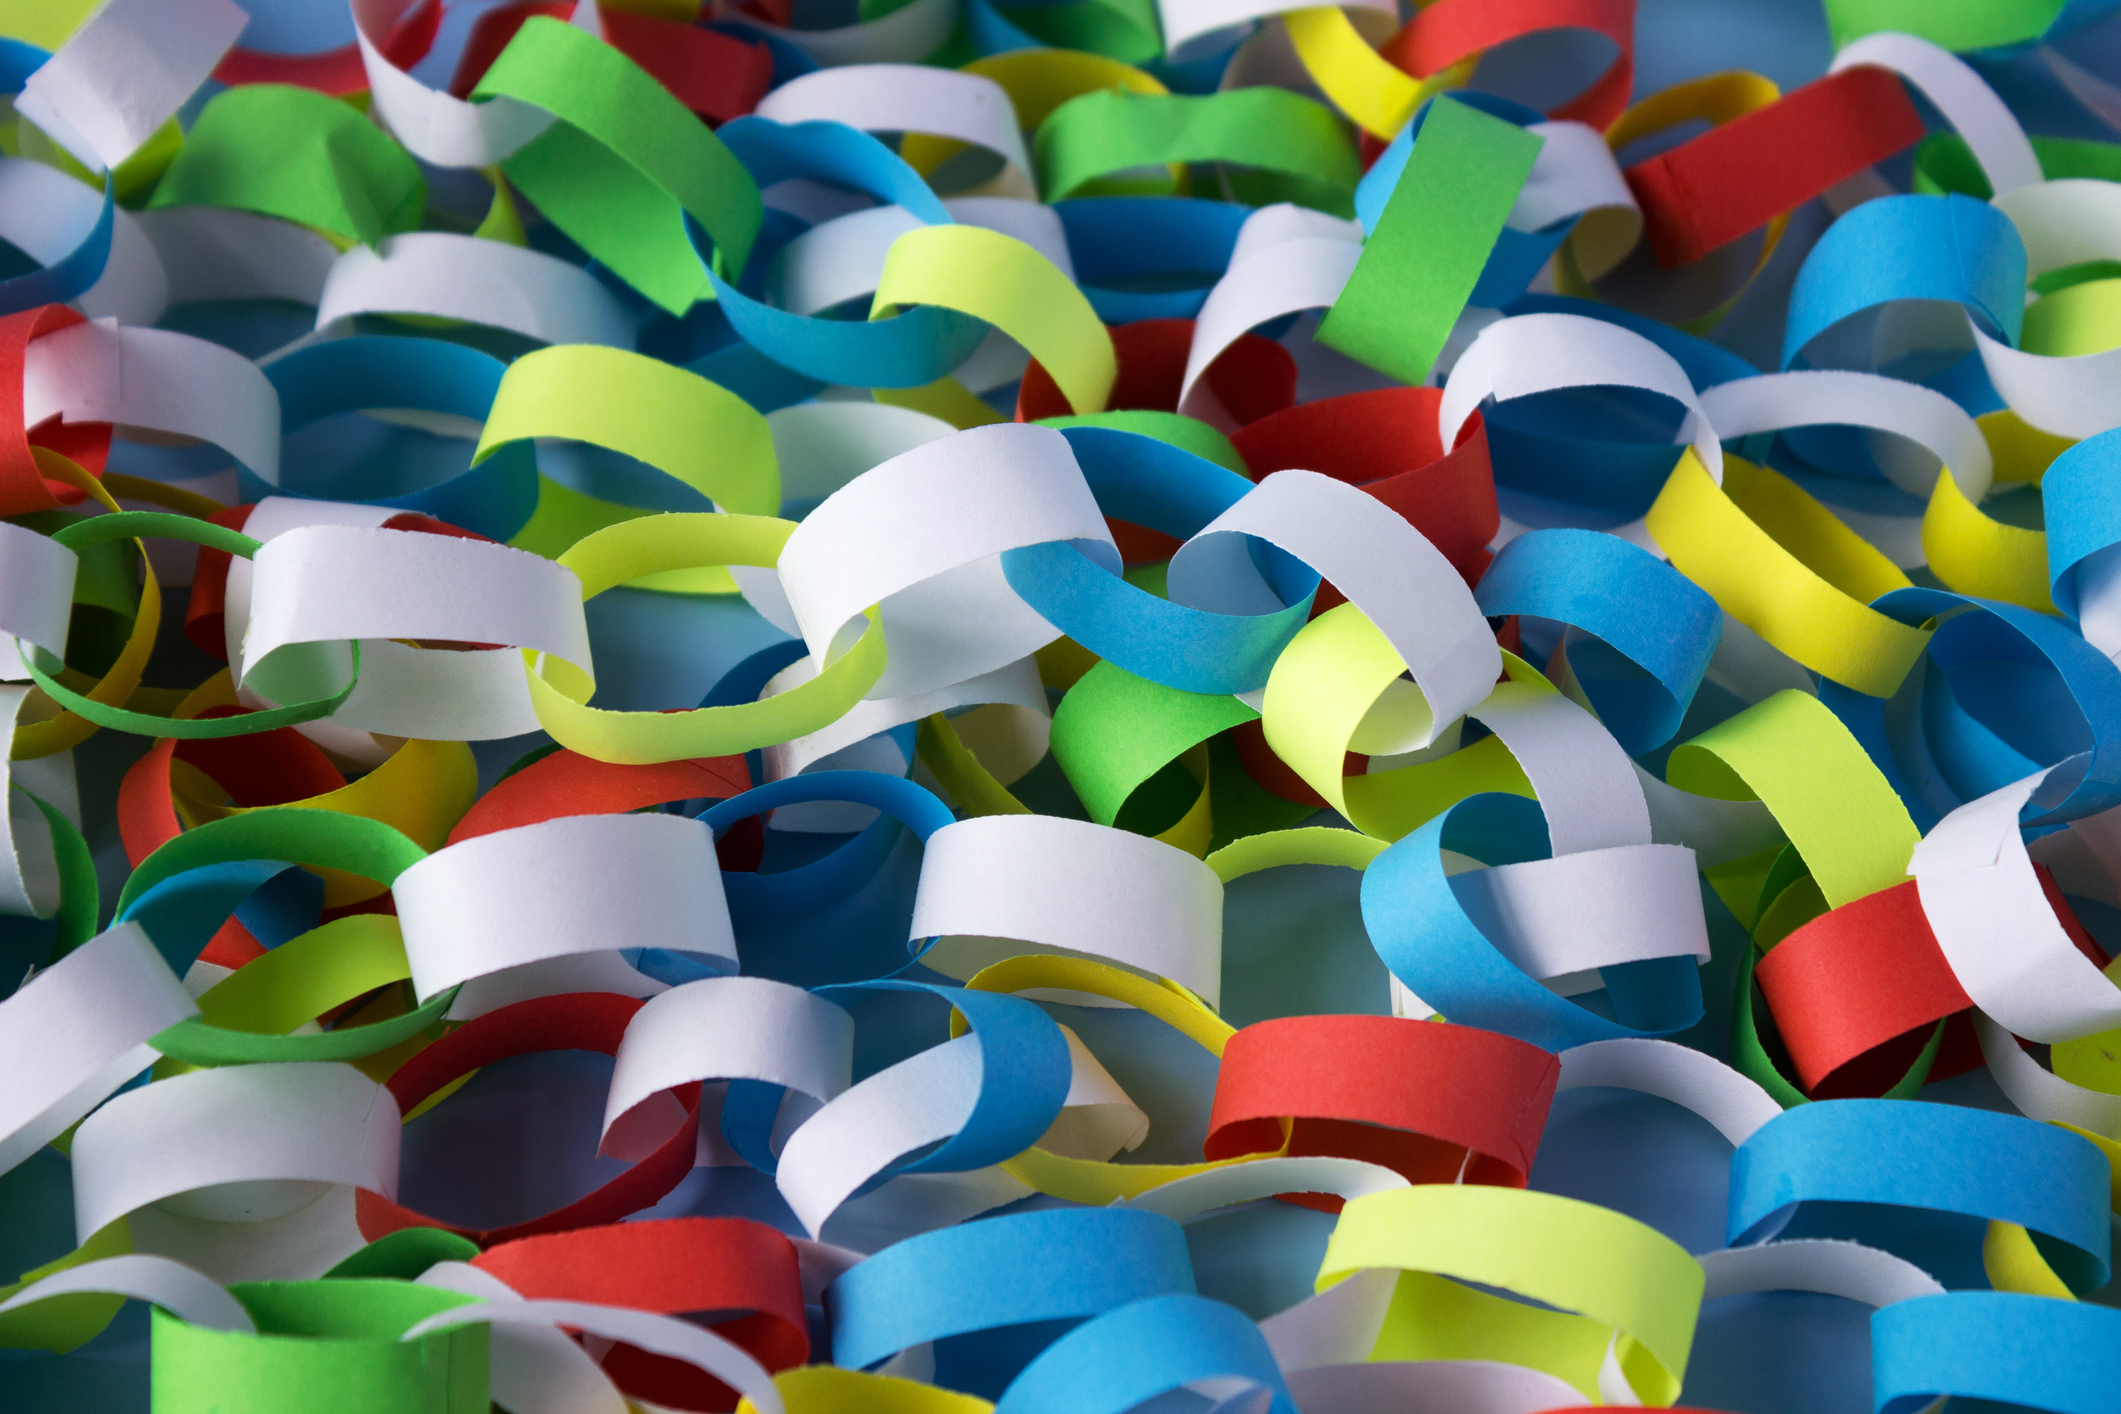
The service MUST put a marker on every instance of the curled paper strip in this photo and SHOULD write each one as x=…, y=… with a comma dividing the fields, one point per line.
x=985, y=708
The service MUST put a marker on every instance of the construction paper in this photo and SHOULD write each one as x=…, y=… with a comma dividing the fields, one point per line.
x=940, y=708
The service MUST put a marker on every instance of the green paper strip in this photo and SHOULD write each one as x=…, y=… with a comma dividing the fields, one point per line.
x=1421, y=263
x=298, y=155
x=291, y=834
x=324, y=1347
x=625, y=163
x=99, y=530
x=1952, y=24
x=109, y=576
x=77, y=881
x=1945, y=163
x=245, y=1017
x=1793, y=755
x=1113, y=731
x=1108, y=131
x=1126, y=30
x=405, y=1254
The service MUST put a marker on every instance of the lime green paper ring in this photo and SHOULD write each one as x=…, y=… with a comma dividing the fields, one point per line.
x=196, y=1042
x=98, y=529
x=323, y=1347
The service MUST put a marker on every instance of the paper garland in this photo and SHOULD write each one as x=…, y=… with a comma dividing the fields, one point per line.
x=851, y=593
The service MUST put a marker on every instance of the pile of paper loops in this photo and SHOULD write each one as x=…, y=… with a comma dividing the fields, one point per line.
x=970, y=708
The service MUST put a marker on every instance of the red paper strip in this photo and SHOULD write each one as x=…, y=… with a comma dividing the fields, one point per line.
x=205, y=623
x=577, y=1021
x=1436, y=1102
x=1253, y=378
x=714, y=75
x=566, y=783
x=672, y=1266
x=1737, y=177
x=1386, y=442
x=22, y=487
x=336, y=72
x=1450, y=30
x=1850, y=982
x=1856, y=992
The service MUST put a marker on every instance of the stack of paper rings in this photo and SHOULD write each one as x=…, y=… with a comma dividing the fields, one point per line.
x=1060, y=706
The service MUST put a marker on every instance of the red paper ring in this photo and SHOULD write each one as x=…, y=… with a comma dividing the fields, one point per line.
x=266, y=768
x=717, y=76
x=1450, y=30
x=1436, y=1102
x=1735, y=178
x=22, y=486
x=340, y=71
x=567, y=783
x=672, y=1266
x=1856, y=992
x=577, y=1021
x=336, y=72
x=1253, y=378
x=1386, y=442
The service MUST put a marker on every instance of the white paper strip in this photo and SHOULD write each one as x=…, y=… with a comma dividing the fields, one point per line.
x=1967, y=102
x=923, y=534
x=188, y=1294
x=1385, y=567
x=77, y=1030
x=732, y=1028
x=239, y=1144
x=432, y=125
x=996, y=886
x=479, y=281
x=153, y=378
x=1845, y=1269
x=578, y=884
x=1994, y=925
x=125, y=72
x=1687, y=1077
x=325, y=584
x=1808, y=398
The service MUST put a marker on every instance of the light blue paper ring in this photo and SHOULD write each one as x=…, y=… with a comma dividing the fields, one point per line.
x=1129, y=250
x=1124, y=1358
x=2022, y=1352
x=1035, y=1270
x=2081, y=494
x=1426, y=939
x=2004, y=692
x=494, y=497
x=1947, y=1159
x=1655, y=629
x=908, y=350
x=1152, y=483
x=1949, y=248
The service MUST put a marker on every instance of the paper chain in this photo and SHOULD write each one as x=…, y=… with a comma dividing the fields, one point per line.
x=1184, y=706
